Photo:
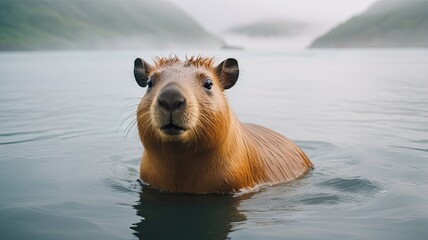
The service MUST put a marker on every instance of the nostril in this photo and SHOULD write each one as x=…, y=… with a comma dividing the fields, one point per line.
x=163, y=104
x=179, y=104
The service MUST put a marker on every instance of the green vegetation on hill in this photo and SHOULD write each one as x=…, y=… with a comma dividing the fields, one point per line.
x=80, y=24
x=388, y=23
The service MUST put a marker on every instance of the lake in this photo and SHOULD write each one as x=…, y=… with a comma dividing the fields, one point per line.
x=69, y=153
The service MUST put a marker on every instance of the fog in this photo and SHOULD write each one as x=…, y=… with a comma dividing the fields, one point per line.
x=167, y=24
x=322, y=15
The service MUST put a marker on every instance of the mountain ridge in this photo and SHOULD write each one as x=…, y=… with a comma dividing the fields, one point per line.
x=98, y=24
x=385, y=24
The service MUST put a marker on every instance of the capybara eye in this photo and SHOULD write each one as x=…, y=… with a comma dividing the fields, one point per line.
x=208, y=84
x=150, y=83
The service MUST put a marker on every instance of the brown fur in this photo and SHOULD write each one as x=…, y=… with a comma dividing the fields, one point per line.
x=217, y=153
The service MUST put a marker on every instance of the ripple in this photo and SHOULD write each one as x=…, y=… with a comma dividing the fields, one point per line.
x=11, y=134
x=315, y=149
x=40, y=138
x=314, y=145
x=41, y=135
x=321, y=198
x=123, y=175
x=123, y=186
x=411, y=148
x=352, y=185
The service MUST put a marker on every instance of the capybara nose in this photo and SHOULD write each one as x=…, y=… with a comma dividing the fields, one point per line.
x=171, y=100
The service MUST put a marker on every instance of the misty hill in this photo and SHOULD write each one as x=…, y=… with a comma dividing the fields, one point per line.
x=270, y=28
x=385, y=24
x=80, y=24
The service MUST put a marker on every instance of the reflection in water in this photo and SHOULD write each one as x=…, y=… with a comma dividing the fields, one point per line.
x=186, y=216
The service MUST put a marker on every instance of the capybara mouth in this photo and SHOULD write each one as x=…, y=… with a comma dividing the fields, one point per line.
x=172, y=129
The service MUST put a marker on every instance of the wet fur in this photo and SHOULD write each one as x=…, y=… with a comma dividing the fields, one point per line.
x=218, y=153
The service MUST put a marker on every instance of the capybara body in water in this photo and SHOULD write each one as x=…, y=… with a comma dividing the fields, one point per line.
x=194, y=143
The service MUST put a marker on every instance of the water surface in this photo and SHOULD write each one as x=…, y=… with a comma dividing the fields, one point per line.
x=69, y=153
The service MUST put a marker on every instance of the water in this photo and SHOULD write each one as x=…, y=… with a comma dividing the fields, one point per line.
x=69, y=158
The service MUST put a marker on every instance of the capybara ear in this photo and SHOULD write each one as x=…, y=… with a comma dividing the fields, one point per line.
x=228, y=72
x=141, y=72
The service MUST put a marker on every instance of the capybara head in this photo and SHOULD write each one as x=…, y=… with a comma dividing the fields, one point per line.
x=184, y=104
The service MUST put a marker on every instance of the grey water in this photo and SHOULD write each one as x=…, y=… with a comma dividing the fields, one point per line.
x=69, y=153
